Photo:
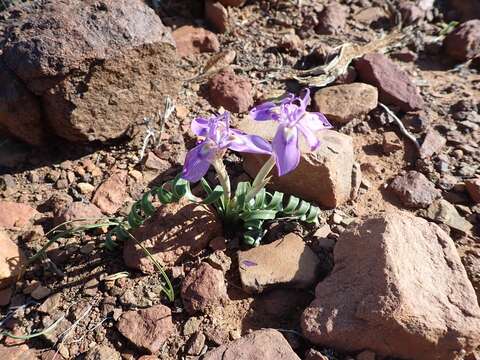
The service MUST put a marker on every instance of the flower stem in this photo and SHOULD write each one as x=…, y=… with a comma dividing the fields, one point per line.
x=224, y=179
x=261, y=179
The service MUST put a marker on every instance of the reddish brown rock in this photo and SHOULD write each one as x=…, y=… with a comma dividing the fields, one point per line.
x=399, y=289
x=432, y=144
x=463, y=43
x=292, y=43
x=192, y=40
x=77, y=211
x=231, y=91
x=102, y=352
x=15, y=215
x=391, y=142
x=20, y=112
x=411, y=13
x=465, y=9
x=343, y=103
x=5, y=294
x=394, y=85
x=266, y=344
x=175, y=230
x=473, y=188
x=323, y=176
x=92, y=64
x=415, y=190
x=203, y=288
x=287, y=262
x=332, y=19
x=216, y=15
x=21, y=352
x=147, y=328
x=111, y=194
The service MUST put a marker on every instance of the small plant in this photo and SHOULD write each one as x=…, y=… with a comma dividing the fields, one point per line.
x=250, y=205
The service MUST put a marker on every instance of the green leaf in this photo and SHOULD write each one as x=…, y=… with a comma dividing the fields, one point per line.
x=260, y=199
x=240, y=193
x=276, y=201
x=302, y=209
x=215, y=195
x=147, y=206
x=291, y=205
x=312, y=216
x=263, y=214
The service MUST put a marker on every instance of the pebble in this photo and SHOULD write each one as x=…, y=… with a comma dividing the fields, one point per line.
x=85, y=188
x=40, y=292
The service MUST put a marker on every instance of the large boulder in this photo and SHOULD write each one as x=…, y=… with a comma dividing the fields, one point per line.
x=174, y=231
x=266, y=344
x=398, y=288
x=323, y=176
x=95, y=67
x=20, y=112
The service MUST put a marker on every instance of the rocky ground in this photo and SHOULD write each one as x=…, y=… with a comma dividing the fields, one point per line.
x=391, y=272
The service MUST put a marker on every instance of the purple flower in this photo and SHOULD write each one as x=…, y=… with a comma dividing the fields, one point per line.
x=218, y=138
x=294, y=120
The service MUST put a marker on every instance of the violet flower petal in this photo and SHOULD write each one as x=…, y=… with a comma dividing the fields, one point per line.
x=266, y=111
x=285, y=148
x=197, y=162
x=309, y=135
x=199, y=126
x=248, y=143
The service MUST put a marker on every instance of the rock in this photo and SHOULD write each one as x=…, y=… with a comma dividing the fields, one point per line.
x=463, y=43
x=5, y=296
x=203, y=288
x=20, y=112
x=473, y=188
x=76, y=211
x=415, y=190
x=292, y=43
x=366, y=355
x=91, y=65
x=216, y=15
x=147, y=328
x=174, y=231
x=465, y=9
x=370, y=15
x=196, y=343
x=394, y=85
x=391, y=142
x=399, y=282
x=51, y=305
x=21, y=352
x=332, y=19
x=85, y=188
x=405, y=55
x=111, y=194
x=343, y=103
x=410, y=12
x=40, y=292
x=432, y=144
x=11, y=261
x=231, y=91
x=7, y=184
x=323, y=176
x=102, y=352
x=232, y=2
x=194, y=40
x=15, y=215
x=266, y=344
x=315, y=355
x=444, y=212
x=287, y=262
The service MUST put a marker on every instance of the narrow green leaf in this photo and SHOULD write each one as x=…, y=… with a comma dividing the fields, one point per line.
x=291, y=205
